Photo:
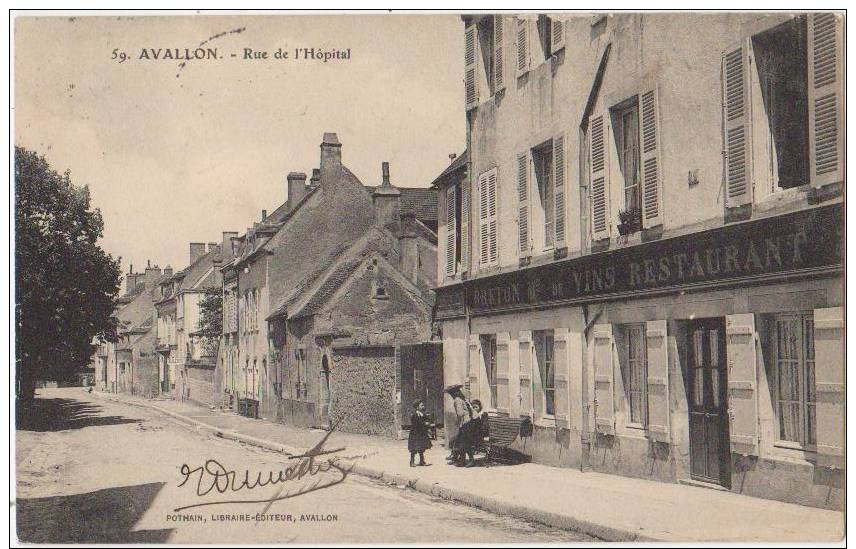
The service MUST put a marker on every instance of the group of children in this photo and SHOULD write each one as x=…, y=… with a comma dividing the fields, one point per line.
x=472, y=427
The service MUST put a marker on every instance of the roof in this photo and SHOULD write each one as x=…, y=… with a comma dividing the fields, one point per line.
x=458, y=164
x=421, y=200
x=335, y=281
x=137, y=315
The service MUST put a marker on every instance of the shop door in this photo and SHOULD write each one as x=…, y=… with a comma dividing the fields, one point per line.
x=710, y=454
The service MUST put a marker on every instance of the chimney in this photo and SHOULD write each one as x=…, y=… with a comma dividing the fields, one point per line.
x=408, y=246
x=226, y=244
x=167, y=271
x=452, y=157
x=152, y=274
x=331, y=159
x=296, y=188
x=316, y=178
x=387, y=201
x=197, y=250
x=264, y=215
x=213, y=247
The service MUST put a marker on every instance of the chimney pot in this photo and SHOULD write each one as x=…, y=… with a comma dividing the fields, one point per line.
x=385, y=173
x=264, y=215
x=452, y=157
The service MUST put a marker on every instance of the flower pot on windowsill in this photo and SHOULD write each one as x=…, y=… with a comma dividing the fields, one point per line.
x=630, y=221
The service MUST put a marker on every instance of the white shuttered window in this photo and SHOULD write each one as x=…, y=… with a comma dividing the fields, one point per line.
x=488, y=246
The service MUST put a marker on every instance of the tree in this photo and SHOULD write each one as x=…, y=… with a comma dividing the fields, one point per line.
x=65, y=285
x=211, y=313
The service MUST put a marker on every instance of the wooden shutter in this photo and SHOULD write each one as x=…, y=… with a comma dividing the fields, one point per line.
x=652, y=171
x=557, y=35
x=826, y=98
x=559, y=194
x=465, y=225
x=471, y=91
x=484, y=247
x=522, y=46
x=599, y=176
x=525, y=372
x=503, y=341
x=491, y=183
x=829, y=385
x=561, y=359
x=742, y=383
x=450, y=230
x=473, y=367
x=736, y=105
x=604, y=418
x=658, y=379
x=524, y=246
x=498, y=53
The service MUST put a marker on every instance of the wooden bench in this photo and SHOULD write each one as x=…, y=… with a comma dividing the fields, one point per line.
x=502, y=431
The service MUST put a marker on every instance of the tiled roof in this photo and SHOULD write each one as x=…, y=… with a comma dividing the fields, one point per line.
x=459, y=163
x=421, y=201
x=328, y=288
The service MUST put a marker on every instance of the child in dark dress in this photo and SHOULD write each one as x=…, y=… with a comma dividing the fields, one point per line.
x=418, y=440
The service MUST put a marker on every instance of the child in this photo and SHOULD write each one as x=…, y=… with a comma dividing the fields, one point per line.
x=418, y=440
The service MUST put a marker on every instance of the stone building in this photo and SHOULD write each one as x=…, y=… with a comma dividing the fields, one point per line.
x=645, y=257
x=325, y=289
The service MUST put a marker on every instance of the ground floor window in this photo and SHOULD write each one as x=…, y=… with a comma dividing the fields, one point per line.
x=793, y=353
x=545, y=361
x=489, y=351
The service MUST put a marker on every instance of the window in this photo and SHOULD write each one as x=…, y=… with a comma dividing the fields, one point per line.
x=545, y=35
x=300, y=374
x=626, y=120
x=486, y=44
x=488, y=343
x=544, y=355
x=488, y=247
x=636, y=374
x=454, y=210
x=781, y=64
x=542, y=159
x=793, y=343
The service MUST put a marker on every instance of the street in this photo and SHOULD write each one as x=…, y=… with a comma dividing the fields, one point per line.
x=91, y=470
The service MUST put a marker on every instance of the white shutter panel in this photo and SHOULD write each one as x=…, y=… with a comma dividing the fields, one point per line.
x=484, y=246
x=465, y=225
x=557, y=35
x=604, y=417
x=649, y=139
x=658, y=379
x=599, y=176
x=523, y=204
x=742, y=383
x=491, y=221
x=561, y=359
x=450, y=230
x=498, y=53
x=503, y=341
x=522, y=46
x=473, y=367
x=738, y=130
x=559, y=186
x=525, y=372
x=829, y=386
x=826, y=98
x=471, y=92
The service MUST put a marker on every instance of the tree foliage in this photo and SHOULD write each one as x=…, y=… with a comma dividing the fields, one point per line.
x=211, y=313
x=65, y=284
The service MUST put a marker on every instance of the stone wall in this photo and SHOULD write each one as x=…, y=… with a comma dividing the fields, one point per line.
x=362, y=387
x=200, y=386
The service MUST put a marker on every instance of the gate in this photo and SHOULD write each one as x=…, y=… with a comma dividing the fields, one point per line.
x=421, y=367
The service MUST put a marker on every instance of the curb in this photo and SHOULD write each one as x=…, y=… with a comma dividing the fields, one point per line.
x=485, y=503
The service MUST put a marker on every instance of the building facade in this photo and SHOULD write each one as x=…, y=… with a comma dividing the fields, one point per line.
x=634, y=258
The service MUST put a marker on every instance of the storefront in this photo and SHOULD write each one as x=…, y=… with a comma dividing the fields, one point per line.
x=714, y=357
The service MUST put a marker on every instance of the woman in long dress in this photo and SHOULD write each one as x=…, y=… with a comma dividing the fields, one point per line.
x=418, y=440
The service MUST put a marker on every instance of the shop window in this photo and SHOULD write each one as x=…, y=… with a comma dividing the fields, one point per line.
x=625, y=119
x=782, y=74
x=488, y=344
x=793, y=352
x=542, y=160
x=634, y=372
x=545, y=362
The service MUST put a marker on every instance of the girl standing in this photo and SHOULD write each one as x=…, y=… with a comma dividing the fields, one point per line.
x=418, y=440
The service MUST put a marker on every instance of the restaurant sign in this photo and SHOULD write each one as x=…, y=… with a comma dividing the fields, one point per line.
x=801, y=244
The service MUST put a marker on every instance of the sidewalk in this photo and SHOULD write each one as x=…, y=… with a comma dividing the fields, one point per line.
x=610, y=507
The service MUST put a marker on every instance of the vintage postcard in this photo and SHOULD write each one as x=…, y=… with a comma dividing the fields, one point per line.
x=428, y=278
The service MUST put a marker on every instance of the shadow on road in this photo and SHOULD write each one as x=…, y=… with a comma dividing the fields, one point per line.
x=59, y=414
x=103, y=516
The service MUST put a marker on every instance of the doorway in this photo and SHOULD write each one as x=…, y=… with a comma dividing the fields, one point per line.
x=710, y=454
x=325, y=391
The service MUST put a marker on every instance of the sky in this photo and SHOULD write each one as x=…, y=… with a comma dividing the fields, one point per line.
x=174, y=155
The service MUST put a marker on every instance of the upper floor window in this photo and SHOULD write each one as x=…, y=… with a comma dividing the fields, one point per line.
x=542, y=161
x=454, y=234
x=541, y=216
x=626, y=124
x=545, y=36
x=487, y=208
x=484, y=58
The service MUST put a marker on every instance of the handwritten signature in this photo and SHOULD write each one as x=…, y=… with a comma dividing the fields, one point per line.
x=213, y=476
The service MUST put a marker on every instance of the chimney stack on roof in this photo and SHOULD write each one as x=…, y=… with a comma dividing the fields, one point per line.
x=197, y=250
x=167, y=271
x=264, y=215
x=387, y=201
x=213, y=247
x=331, y=158
x=153, y=273
x=316, y=178
x=132, y=279
x=296, y=189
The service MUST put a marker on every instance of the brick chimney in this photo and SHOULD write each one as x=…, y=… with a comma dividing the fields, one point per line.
x=408, y=246
x=197, y=250
x=213, y=247
x=331, y=159
x=153, y=272
x=387, y=201
x=296, y=188
x=316, y=178
x=167, y=271
x=131, y=279
x=226, y=244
